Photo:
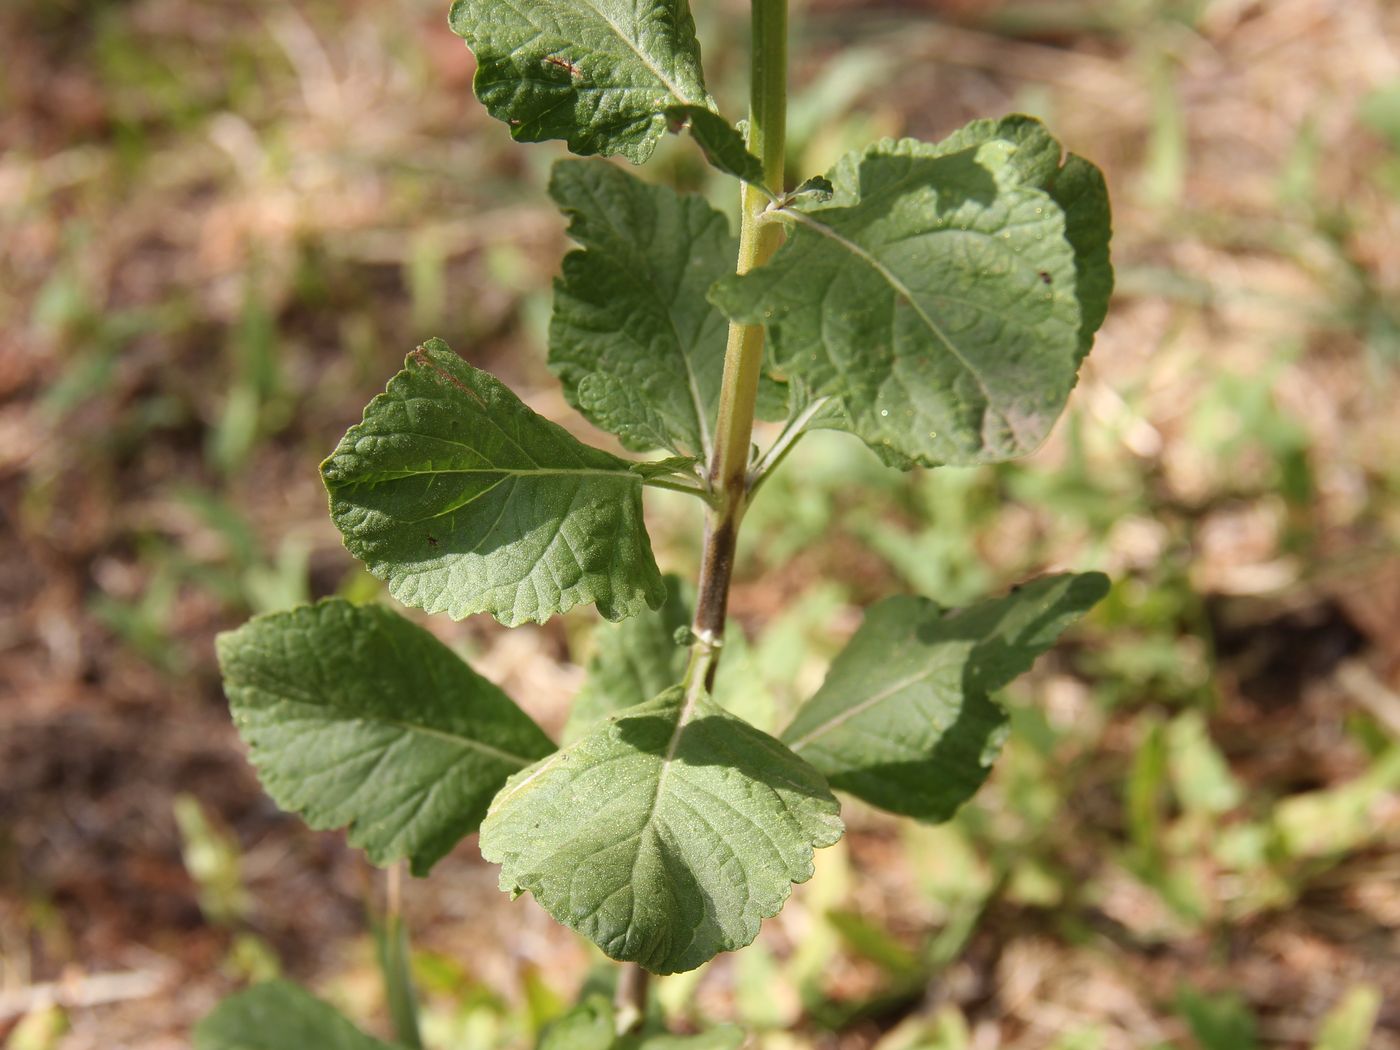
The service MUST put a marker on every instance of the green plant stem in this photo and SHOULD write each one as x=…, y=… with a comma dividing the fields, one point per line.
x=395, y=963
x=743, y=357
x=743, y=365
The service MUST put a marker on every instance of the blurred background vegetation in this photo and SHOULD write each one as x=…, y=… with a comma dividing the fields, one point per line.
x=224, y=222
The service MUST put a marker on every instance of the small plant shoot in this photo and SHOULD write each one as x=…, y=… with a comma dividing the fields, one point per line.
x=935, y=300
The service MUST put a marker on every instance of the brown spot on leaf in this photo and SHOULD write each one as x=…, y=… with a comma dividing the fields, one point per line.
x=555, y=60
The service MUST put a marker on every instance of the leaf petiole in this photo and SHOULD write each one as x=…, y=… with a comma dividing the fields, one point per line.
x=676, y=484
x=784, y=443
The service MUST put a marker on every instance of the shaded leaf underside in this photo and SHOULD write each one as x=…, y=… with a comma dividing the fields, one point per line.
x=905, y=719
x=638, y=348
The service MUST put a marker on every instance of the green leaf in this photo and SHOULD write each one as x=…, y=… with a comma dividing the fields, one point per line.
x=1200, y=773
x=355, y=716
x=905, y=718
x=466, y=501
x=1219, y=1022
x=723, y=1037
x=632, y=662
x=592, y=1026
x=278, y=1015
x=637, y=346
x=599, y=74
x=816, y=190
x=1350, y=1024
x=720, y=141
x=1077, y=186
x=665, y=835
x=936, y=296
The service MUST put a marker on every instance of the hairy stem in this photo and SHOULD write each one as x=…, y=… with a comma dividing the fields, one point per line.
x=743, y=357
x=743, y=365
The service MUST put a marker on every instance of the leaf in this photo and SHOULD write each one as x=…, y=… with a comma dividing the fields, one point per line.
x=591, y=1025
x=466, y=501
x=905, y=718
x=672, y=468
x=666, y=834
x=722, y=1037
x=1200, y=773
x=1350, y=1024
x=588, y=1026
x=1077, y=187
x=355, y=716
x=935, y=297
x=599, y=74
x=720, y=141
x=278, y=1015
x=637, y=346
x=816, y=190
x=633, y=661
x=1219, y=1022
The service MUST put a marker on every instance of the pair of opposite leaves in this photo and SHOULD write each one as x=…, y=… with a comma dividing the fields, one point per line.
x=668, y=828
x=938, y=305
x=936, y=302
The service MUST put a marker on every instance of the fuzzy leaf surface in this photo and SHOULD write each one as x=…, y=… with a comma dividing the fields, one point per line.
x=639, y=349
x=905, y=719
x=466, y=501
x=934, y=297
x=599, y=74
x=277, y=1015
x=666, y=834
x=1076, y=185
x=355, y=717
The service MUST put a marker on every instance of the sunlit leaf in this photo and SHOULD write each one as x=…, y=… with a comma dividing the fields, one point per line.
x=606, y=76
x=466, y=501
x=936, y=297
x=666, y=834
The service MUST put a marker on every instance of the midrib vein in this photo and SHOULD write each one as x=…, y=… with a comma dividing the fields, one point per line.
x=900, y=288
x=693, y=693
x=296, y=696
x=505, y=472
x=860, y=708
x=676, y=92
x=634, y=262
